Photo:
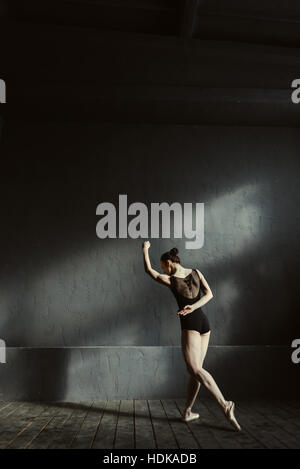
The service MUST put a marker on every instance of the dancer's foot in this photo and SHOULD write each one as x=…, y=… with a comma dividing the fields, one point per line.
x=189, y=415
x=229, y=412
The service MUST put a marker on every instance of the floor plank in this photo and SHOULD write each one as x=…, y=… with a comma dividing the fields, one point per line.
x=200, y=428
x=153, y=424
x=33, y=424
x=17, y=422
x=105, y=435
x=273, y=425
x=182, y=433
x=85, y=437
x=70, y=427
x=125, y=427
x=144, y=432
x=10, y=408
x=44, y=439
x=164, y=436
x=227, y=434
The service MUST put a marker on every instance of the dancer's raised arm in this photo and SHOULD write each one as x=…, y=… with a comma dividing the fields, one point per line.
x=161, y=278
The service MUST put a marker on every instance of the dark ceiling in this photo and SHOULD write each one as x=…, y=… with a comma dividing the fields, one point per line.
x=252, y=21
x=162, y=61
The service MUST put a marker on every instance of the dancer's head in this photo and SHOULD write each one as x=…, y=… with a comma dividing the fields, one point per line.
x=168, y=259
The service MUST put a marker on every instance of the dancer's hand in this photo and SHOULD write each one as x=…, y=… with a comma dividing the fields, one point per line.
x=146, y=245
x=186, y=310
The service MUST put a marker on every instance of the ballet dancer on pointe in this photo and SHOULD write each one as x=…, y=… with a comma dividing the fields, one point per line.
x=186, y=286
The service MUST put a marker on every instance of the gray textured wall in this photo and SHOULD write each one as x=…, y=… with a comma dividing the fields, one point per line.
x=91, y=322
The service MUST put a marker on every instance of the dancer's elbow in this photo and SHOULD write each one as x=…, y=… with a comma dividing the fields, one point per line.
x=151, y=272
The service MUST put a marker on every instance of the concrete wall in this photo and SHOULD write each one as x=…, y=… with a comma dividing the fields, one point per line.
x=80, y=317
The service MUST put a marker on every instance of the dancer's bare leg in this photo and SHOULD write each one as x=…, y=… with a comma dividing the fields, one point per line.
x=191, y=347
x=192, y=351
x=193, y=385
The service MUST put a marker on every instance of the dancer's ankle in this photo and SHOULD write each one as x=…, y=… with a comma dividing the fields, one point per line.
x=224, y=405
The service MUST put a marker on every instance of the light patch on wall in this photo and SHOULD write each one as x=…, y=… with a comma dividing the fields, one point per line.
x=228, y=292
x=237, y=220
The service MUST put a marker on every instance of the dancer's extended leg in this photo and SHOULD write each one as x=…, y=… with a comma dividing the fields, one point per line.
x=193, y=385
x=191, y=346
x=191, y=342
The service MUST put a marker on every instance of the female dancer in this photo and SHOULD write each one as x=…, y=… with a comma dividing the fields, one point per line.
x=195, y=329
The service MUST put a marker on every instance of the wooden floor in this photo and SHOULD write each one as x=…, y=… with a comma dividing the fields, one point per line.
x=148, y=424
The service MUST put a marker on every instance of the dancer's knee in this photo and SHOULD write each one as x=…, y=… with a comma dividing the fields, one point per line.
x=199, y=373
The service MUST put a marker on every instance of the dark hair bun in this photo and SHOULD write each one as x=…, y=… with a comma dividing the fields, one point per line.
x=174, y=252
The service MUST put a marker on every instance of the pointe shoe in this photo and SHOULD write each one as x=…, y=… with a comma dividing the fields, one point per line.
x=229, y=412
x=191, y=416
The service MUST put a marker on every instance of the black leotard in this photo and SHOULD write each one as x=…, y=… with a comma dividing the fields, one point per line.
x=187, y=291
